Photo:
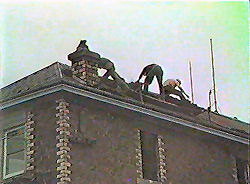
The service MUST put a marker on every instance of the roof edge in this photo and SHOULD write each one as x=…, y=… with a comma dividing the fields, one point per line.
x=82, y=92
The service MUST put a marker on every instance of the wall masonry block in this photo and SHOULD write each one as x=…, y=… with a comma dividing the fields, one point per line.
x=64, y=117
x=67, y=125
x=65, y=172
x=62, y=182
x=62, y=142
x=30, y=130
x=86, y=70
x=30, y=152
x=61, y=121
x=65, y=179
x=29, y=123
x=61, y=152
x=30, y=168
x=162, y=164
x=65, y=148
x=30, y=143
x=61, y=168
x=139, y=154
x=66, y=140
x=62, y=175
x=61, y=160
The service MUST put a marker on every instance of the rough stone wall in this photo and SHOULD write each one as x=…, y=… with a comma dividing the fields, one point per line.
x=109, y=154
x=45, y=138
x=190, y=160
x=86, y=71
x=112, y=156
x=30, y=126
x=63, y=148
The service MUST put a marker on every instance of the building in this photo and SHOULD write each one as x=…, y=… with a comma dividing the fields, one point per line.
x=58, y=128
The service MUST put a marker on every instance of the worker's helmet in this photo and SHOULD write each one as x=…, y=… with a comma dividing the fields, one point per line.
x=178, y=80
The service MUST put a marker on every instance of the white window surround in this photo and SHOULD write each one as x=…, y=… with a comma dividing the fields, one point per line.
x=5, y=175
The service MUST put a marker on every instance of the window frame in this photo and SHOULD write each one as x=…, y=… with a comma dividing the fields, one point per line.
x=242, y=167
x=143, y=134
x=6, y=176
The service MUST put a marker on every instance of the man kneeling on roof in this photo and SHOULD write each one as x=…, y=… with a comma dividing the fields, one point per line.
x=150, y=72
x=170, y=85
x=108, y=65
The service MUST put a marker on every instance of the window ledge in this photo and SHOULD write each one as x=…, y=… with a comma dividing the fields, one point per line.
x=11, y=175
x=144, y=181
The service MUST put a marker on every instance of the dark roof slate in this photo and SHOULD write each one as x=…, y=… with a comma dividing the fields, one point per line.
x=40, y=79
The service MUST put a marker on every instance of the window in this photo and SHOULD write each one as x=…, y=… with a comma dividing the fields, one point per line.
x=149, y=156
x=242, y=171
x=14, y=152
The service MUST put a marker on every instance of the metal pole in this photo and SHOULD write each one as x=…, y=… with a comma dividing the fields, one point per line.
x=209, y=100
x=209, y=106
x=191, y=81
x=213, y=75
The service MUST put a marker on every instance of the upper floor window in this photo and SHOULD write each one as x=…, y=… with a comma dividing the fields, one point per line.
x=243, y=171
x=14, y=152
x=149, y=156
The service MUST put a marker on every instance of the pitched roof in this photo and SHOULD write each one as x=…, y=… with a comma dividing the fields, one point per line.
x=58, y=73
x=35, y=81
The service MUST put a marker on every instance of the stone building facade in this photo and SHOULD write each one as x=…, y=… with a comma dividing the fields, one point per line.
x=57, y=129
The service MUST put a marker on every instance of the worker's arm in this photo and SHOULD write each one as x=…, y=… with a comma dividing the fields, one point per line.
x=142, y=73
x=183, y=91
x=145, y=71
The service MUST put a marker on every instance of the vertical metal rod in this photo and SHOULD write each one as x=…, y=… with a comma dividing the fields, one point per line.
x=213, y=75
x=209, y=100
x=209, y=105
x=191, y=81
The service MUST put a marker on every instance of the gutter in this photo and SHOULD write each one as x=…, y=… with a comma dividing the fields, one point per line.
x=92, y=95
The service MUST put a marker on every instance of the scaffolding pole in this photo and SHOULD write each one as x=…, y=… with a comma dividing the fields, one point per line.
x=191, y=81
x=213, y=76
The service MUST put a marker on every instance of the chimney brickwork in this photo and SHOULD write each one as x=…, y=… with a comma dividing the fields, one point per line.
x=85, y=66
x=86, y=70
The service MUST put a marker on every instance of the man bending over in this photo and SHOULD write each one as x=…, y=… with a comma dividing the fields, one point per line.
x=150, y=72
x=169, y=88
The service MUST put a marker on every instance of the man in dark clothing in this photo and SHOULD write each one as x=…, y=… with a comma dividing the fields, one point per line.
x=108, y=65
x=150, y=71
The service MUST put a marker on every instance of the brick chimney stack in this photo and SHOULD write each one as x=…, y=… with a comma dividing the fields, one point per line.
x=84, y=65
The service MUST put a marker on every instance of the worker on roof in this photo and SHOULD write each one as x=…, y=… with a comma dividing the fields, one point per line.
x=150, y=72
x=103, y=62
x=169, y=88
x=108, y=65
